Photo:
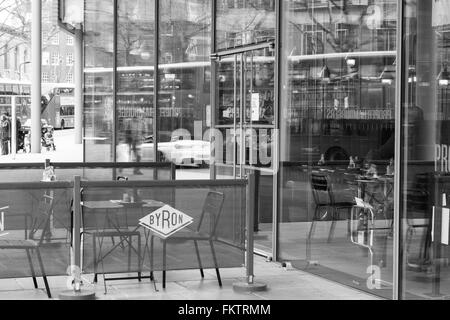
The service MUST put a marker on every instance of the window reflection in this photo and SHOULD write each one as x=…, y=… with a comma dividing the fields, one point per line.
x=244, y=22
x=338, y=138
x=98, y=97
x=135, y=80
x=184, y=83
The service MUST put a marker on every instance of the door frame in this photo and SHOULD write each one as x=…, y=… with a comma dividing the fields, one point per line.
x=272, y=45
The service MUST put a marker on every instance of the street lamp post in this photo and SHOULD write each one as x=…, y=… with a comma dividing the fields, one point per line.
x=20, y=69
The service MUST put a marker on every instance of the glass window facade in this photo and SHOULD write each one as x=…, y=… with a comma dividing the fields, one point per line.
x=344, y=125
x=337, y=128
x=425, y=138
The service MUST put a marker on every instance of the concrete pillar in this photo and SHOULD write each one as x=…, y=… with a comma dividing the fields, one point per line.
x=79, y=104
x=36, y=60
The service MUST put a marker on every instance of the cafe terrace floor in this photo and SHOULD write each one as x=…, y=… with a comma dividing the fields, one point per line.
x=283, y=284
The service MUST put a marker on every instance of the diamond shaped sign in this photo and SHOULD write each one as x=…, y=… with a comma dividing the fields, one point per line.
x=166, y=221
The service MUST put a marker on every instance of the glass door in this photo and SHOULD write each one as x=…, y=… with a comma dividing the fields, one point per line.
x=245, y=119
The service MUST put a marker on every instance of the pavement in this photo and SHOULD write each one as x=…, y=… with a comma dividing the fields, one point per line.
x=283, y=284
x=66, y=151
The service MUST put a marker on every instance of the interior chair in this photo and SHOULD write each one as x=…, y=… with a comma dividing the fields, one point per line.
x=40, y=224
x=325, y=199
x=213, y=208
x=418, y=217
x=113, y=227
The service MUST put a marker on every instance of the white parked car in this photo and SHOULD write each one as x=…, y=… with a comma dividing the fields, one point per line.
x=180, y=152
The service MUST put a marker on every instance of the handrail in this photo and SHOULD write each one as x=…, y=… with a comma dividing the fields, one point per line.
x=36, y=185
x=166, y=183
x=69, y=165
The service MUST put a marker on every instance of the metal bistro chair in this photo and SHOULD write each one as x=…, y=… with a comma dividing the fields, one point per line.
x=324, y=198
x=40, y=221
x=419, y=212
x=213, y=207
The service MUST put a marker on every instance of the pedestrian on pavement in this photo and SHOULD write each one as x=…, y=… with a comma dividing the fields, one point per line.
x=133, y=136
x=5, y=133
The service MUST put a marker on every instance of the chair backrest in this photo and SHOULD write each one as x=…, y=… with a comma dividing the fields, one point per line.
x=213, y=207
x=321, y=189
x=41, y=217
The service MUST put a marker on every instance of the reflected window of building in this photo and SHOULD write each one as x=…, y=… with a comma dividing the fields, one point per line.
x=135, y=81
x=98, y=91
x=244, y=22
x=184, y=88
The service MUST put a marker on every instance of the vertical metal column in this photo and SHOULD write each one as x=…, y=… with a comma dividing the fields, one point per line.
x=13, y=127
x=114, y=78
x=156, y=85
x=276, y=138
x=78, y=66
x=36, y=60
x=213, y=93
x=250, y=285
x=397, y=252
x=77, y=226
x=75, y=270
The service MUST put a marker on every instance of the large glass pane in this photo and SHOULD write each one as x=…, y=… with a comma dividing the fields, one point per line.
x=243, y=22
x=184, y=86
x=337, y=140
x=98, y=99
x=135, y=80
x=425, y=213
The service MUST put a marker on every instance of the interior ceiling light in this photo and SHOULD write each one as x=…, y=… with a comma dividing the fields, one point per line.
x=388, y=75
x=444, y=77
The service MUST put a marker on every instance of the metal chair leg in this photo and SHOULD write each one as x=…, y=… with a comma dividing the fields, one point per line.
x=94, y=250
x=199, y=259
x=139, y=259
x=215, y=262
x=47, y=288
x=164, y=264
x=152, y=240
x=332, y=228
x=32, y=269
x=129, y=251
x=315, y=218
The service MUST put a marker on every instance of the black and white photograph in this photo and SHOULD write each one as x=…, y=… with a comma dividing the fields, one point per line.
x=224, y=155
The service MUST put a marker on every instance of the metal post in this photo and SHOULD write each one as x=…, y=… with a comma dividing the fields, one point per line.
x=36, y=60
x=250, y=285
x=399, y=154
x=13, y=127
x=250, y=225
x=77, y=226
x=156, y=157
x=78, y=66
x=76, y=268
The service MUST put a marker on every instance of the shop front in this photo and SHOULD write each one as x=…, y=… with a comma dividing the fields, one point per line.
x=339, y=107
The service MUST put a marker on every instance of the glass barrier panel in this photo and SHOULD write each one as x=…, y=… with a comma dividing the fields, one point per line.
x=36, y=221
x=114, y=241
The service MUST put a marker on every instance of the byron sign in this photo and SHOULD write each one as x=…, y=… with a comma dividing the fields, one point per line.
x=166, y=221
